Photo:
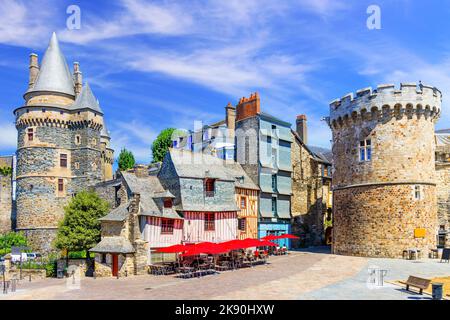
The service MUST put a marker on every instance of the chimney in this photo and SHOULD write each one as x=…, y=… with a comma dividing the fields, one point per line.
x=248, y=107
x=34, y=70
x=78, y=78
x=302, y=128
x=230, y=119
x=141, y=170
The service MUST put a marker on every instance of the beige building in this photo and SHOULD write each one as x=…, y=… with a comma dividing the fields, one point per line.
x=311, y=188
x=6, y=193
x=443, y=184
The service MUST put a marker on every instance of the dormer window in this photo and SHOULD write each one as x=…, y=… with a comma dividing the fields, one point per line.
x=168, y=203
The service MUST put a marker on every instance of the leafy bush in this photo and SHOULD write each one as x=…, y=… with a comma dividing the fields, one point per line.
x=11, y=239
x=50, y=269
x=5, y=171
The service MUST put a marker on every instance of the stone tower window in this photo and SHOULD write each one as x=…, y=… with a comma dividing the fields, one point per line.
x=365, y=150
x=77, y=140
x=209, y=187
x=77, y=165
x=63, y=160
x=30, y=133
x=417, y=192
x=60, y=185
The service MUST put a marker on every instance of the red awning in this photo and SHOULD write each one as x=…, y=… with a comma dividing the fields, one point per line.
x=288, y=236
x=173, y=249
x=268, y=244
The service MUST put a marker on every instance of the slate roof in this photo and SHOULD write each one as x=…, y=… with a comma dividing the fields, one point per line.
x=113, y=245
x=118, y=214
x=443, y=137
x=54, y=74
x=105, y=131
x=198, y=165
x=86, y=100
x=150, y=190
x=321, y=153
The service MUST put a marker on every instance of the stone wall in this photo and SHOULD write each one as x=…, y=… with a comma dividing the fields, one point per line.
x=309, y=197
x=379, y=221
x=443, y=186
x=5, y=203
x=40, y=205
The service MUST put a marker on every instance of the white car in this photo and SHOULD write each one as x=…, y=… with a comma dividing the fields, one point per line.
x=33, y=256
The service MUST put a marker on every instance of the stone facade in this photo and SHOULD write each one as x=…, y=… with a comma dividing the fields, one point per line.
x=6, y=200
x=443, y=180
x=384, y=182
x=311, y=194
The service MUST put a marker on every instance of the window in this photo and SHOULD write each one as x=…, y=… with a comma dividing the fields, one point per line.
x=242, y=224
x=209, y=221
x=167, y=226
x=243, y=202
x=63, y=160
x=30, y=134
x=365, y=150
x=274, y=205
x=103, y=258
x=60, y=185
x=417, y=192
x=77, y=165
x=209, y=187
x=274, y=183
x=175, y=143
x=269, y=139
x=167, y=203
x=77, y=139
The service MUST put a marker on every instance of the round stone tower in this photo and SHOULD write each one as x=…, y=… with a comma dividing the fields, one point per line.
x=384, y=184
x=59, y=148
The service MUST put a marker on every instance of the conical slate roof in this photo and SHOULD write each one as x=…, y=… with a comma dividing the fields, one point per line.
x=104, y=132
x=54, y=74
x=86, y=100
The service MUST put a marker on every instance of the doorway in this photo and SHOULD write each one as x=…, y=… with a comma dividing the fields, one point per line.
x=115, y=264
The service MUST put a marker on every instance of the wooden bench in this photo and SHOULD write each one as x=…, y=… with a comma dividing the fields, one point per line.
x=417, y=282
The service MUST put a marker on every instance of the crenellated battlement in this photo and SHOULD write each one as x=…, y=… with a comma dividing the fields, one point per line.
x=47, y=122
x=386, y=100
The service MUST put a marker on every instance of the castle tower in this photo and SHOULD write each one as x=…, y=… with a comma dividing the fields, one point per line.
x=59, y=145
x=384, y=175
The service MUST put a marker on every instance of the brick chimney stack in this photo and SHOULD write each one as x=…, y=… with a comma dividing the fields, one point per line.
x=302, y=128
x=248, y=107
x=230, y=119
x=34, y=69
x=78, y=78
x=141, y=171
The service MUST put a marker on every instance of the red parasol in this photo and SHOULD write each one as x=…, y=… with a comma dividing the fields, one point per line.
x=288, y=236
x=173, y=249
x=268, y=244
x=270, y=238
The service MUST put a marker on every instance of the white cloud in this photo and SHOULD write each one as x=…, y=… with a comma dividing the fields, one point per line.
x=8, y=136
x=24, y=23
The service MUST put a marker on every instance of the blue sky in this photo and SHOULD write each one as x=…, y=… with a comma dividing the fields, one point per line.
x=155, y=64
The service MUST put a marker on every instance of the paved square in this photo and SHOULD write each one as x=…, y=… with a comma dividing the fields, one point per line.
x=300, y=275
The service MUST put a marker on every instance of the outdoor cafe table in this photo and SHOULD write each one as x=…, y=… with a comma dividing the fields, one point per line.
x=186, y=270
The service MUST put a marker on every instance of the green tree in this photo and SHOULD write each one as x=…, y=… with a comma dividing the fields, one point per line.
x=5, y=171
x=126, y=160
x=80, y=228
x=162, y=144
x=11, y=239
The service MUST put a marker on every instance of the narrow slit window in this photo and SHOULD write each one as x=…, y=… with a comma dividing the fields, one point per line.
x=60, y=185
